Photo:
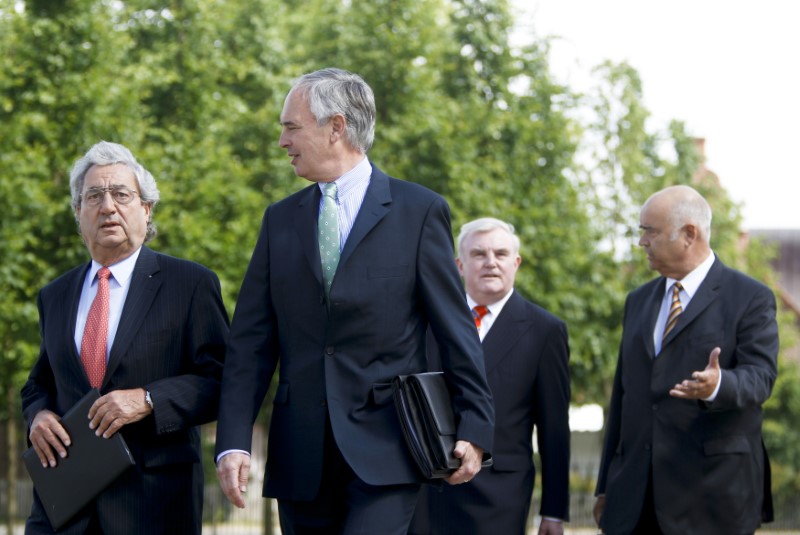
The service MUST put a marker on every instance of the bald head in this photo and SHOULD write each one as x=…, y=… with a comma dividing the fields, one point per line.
x=685, y=207
x=675, y=228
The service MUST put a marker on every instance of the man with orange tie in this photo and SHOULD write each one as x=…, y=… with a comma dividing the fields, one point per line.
x=146, y=329
x=526, y=354
x=683, y=452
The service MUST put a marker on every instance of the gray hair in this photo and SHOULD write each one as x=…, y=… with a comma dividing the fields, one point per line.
x=107, y=153
x=690, y=208
x=485, y=224
x=338, y=92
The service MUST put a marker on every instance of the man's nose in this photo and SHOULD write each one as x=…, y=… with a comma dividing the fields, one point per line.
x=107, y=204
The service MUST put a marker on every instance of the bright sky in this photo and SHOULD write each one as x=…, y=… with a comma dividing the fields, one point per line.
x=728, y=69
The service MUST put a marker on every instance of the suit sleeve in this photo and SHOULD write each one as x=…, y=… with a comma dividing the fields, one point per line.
x=552, y=392
x=38, y=393
x=191, y=398
x=252, y=355
x=450, y=321
x=749, y=382
x=613, y=424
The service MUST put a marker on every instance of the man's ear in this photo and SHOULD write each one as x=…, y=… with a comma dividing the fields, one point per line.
x=338, y=124
x=691, y=233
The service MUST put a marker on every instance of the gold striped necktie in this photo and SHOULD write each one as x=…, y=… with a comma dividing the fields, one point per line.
x=675, y=309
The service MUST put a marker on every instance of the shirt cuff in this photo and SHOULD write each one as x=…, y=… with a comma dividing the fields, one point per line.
x=713, y=395
x=226, y=452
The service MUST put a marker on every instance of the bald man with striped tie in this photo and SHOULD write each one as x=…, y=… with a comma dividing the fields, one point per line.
x=683, y=451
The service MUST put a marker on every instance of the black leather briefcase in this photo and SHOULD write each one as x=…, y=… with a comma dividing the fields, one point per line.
x=425, y=410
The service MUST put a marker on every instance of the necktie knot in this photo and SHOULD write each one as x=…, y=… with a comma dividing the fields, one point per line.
x=478, y=313
x=330, y=190
x=104, y=273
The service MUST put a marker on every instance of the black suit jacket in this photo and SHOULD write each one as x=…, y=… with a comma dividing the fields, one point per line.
x=395, y=277
x=526, y=353
x=170, y=341
x=710, y=470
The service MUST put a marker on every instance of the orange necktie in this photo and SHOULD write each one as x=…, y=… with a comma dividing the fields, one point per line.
x=95, y=334
x=478, y=313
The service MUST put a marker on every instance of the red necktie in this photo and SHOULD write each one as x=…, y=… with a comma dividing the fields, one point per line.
x=95, y=334
x=478, y=313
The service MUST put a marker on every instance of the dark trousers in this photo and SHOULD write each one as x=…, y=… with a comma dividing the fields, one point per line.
x=346, y=505
x=648, y=523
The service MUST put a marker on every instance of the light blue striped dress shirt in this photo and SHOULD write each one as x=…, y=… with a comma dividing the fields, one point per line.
x=351, y=188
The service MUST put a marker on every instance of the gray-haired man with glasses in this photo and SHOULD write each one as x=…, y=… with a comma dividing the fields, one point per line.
x=149, y=331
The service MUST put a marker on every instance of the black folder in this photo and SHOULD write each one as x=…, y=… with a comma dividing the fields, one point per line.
x=92, y=463
x=425, y=411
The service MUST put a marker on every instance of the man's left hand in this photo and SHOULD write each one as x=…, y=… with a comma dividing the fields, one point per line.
x=120, y=407
x=702, y=384
x=551, y=527
x=471, y=457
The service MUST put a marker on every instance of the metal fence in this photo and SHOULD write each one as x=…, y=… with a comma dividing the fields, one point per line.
x=259, y=515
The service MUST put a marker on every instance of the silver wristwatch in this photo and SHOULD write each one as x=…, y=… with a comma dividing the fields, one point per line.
x=148, y=399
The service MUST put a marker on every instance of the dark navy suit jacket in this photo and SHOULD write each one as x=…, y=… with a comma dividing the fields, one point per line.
x=527, y=354
x=709, y=467
x=396, y=277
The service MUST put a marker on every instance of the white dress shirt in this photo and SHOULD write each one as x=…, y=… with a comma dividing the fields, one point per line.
x=494, y=310
x=118, y=284
x=690, y=284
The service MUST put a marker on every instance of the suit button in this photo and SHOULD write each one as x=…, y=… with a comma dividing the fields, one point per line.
x=323, y=403
x=647, y=447
x=655, y=407
x=329, y=350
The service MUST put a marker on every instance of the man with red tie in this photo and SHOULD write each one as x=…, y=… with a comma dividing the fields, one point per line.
x=526, y=354
x=146, y=329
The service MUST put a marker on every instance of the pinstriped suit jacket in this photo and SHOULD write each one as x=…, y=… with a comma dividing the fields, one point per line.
x=170, y=341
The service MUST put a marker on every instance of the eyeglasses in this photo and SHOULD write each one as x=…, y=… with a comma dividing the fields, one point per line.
x=119, y=194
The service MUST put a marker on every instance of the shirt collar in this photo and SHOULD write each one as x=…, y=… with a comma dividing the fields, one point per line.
x=695, y=278
x=494, y=308
x=349, y=181
x=121, y=271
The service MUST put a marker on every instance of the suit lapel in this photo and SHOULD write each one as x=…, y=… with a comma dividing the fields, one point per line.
x=650, y=317
x=506, y=330
x=145, y=283
x=374, y=207
x=305, y=224
x=706, y=294
x=72, y=295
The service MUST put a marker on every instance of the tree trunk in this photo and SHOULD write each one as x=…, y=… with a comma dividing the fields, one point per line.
x=11, y=460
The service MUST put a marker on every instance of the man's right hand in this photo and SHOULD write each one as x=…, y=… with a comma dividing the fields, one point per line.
x=233, y=471
x=49, y=437
x=599, y=505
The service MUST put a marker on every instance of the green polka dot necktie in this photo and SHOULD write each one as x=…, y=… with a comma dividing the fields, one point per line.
x=329, y=235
